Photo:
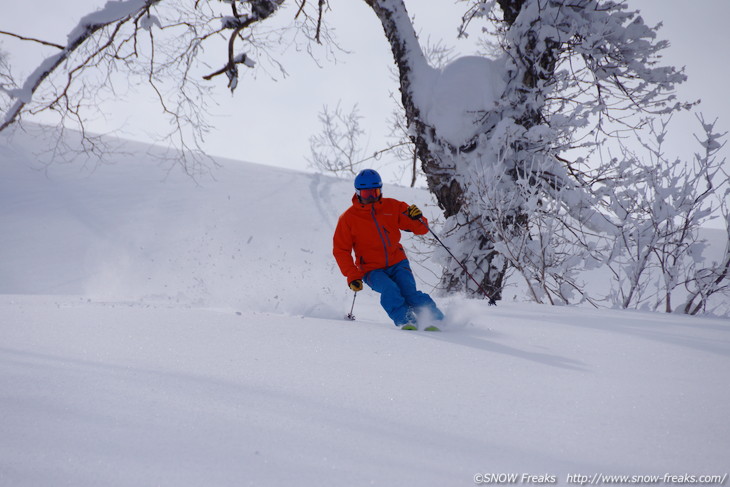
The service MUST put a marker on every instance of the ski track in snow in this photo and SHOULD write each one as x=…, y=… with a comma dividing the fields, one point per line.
x=322, y=198
x=177, y=334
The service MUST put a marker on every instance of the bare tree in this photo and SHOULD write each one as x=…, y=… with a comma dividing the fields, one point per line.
x=336, y=149
x=160, y=44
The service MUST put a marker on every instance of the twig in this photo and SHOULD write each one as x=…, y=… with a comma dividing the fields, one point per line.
x=22, y=38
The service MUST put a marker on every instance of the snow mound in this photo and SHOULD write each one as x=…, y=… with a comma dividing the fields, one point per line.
x=462, y=92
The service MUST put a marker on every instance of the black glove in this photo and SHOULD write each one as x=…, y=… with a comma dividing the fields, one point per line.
x=356, y=285
x=414, y=213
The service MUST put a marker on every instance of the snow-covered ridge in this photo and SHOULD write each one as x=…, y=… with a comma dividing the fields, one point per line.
x=248, y=235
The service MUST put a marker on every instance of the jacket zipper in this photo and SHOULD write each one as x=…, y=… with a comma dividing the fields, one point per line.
x=380, y=232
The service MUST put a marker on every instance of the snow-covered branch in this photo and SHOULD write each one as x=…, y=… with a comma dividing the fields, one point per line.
x=260, y=11
x=660, y=205
x=113, y=15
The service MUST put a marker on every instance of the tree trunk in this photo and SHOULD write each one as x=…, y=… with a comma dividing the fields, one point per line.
x=409, y=59
x=438, y=157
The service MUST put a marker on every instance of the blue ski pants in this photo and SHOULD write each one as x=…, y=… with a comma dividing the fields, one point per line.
x=398, y=294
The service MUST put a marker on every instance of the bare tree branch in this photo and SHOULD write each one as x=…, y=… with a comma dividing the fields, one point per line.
x=88, y=27
x=23, y=38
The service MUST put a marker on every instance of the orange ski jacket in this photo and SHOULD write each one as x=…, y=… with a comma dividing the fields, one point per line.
x=372, y=231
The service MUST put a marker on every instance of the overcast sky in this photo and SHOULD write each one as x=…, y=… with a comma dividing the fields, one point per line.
x=270, y=122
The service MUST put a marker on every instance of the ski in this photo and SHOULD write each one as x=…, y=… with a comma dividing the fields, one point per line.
x=410, y=327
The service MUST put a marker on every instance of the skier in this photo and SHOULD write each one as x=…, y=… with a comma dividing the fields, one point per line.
x=371, y=228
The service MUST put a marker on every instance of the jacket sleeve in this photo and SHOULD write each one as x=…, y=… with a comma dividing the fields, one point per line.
x=342, y=250
x=419, y=227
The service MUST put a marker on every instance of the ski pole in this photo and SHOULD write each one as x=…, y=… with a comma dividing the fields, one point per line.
x=350, y=316
x=492, y=302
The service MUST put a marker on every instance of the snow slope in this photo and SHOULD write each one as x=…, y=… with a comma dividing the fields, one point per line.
x=160, y=331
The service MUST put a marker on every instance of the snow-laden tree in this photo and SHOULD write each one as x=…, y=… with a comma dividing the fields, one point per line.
x=660, y=205
x=496, y=136
x=492, y=134
x=710, y=278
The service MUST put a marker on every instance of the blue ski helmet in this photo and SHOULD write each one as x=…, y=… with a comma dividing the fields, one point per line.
x=368, y=179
